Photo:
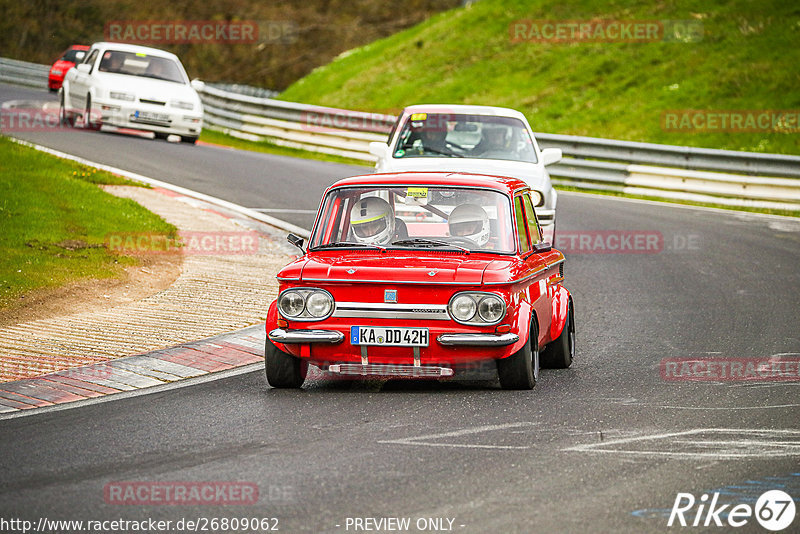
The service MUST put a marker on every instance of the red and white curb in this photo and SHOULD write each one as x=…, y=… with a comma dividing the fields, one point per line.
x=158, y=368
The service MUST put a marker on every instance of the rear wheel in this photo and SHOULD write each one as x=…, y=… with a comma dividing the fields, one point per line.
x=283, y=370
x=521, y=369
x=559, y=353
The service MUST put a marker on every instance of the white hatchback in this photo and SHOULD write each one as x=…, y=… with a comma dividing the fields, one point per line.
x=135, y=87
x=478, y=139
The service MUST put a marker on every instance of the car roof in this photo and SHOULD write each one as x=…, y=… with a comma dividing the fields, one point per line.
x=503, y=184
x=124, y=47
x=79, y=47
x=464, y=110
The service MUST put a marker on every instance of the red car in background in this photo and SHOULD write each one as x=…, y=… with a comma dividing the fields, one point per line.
x=418, y=274
x=73, y=55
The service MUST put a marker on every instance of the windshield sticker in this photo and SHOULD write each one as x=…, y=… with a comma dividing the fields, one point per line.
x=419, y=116
x=417, y=192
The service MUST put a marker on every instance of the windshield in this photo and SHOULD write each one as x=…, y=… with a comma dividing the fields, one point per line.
x=73, y=55
x=467, y=136
x=138, y=64
x=459, y=218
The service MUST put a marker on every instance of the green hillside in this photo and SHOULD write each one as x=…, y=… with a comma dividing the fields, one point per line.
x=746, y=59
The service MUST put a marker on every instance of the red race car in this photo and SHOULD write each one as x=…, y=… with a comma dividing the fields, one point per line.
x=418, y=275
x=73, y=55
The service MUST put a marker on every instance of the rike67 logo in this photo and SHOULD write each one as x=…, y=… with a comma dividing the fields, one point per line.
x=774, y=510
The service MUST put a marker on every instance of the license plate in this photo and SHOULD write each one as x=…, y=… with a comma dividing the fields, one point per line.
x=391, y=337
x=151, y=116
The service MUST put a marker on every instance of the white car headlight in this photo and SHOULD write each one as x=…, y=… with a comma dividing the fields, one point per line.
x=463, y=308
x=119, y=95
x=537, y=198
x=305, y=304
x=477, y=308
x=181, y=104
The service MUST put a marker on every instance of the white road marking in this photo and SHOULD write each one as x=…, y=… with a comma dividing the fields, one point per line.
x=464, y=432
x=744, y=443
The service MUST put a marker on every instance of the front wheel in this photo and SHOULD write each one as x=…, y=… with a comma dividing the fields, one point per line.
x=521, y=369
x=87, y=116
x=64, y=118
x=283, y=370
x=559, y=353
x=189, y=139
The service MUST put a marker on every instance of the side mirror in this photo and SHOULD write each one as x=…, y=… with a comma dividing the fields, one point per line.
x=198, y=85
x=551, y=155
x=296, y=241
x=84, y=67
x=379, y=150
x=544, y=246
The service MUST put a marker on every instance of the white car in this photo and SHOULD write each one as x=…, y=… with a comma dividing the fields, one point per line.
x=479, y=139
x=130, y=86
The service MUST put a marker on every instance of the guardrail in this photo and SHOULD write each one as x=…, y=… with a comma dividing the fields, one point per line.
x=23, y=73
x=724, y=177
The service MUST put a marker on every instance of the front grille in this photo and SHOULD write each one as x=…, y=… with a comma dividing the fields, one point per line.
x=392, y=311
x=154, y=102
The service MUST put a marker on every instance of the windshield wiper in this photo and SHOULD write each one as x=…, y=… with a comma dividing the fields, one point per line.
x=419, y=241
x=341, y=244
x=450, y=153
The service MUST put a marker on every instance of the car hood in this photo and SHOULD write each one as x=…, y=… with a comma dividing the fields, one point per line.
x=532, y=174
x=62, y=65
x=149, y=88
x=399, y=267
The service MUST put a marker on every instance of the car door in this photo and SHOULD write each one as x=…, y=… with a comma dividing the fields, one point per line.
x=80, y=83
x=535, y=265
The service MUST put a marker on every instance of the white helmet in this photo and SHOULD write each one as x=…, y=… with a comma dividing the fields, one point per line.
x=372, y=221
x=470, y=221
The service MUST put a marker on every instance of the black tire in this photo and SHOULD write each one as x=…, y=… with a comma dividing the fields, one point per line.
x=559, y=353
x=283, y=370
x=521, y=369
x=87, y=116
x=160, y=135
x=189, y=139
x=63, y=117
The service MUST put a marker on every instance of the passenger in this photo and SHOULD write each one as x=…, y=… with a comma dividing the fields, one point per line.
x=494, y=142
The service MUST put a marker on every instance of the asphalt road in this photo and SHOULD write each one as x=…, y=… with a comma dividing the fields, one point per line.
x=605, y=446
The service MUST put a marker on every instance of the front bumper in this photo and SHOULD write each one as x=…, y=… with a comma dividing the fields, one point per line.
x=279, y=335
x=163, y=119
x=478, y=340
x=302, y=336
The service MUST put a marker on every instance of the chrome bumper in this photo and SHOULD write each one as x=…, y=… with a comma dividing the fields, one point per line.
x=374, y=369
x=279, y=335
x=478, y=340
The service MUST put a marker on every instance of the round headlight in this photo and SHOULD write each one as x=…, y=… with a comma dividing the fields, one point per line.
x=537, y=198
x=491, y=309
x=463, y=308
x=319, y=304
x=292, y=304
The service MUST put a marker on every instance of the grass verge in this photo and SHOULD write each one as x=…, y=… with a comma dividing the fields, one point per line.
x=55, y=220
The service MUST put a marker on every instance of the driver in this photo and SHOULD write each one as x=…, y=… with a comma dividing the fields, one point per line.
x=433, y=140
x=372, y=221
x=494, y=139
x=470, y=221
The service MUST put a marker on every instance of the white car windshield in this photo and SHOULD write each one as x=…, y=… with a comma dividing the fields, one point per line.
x=138, y=64
x=464, y=136
x=417, y=217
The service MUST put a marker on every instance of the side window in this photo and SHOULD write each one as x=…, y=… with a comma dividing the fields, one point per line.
x=90, y=59
x=533, y=224
x=524, y=243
